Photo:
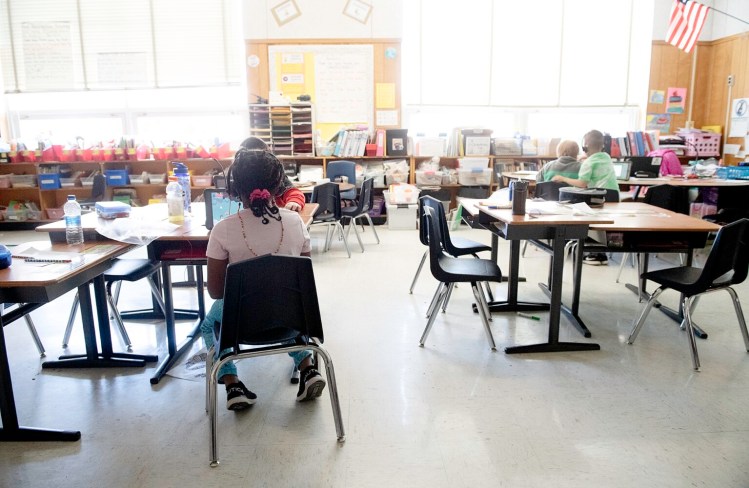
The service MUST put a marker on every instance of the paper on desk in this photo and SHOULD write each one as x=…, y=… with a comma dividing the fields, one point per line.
x=732, y=149
x=139, y=228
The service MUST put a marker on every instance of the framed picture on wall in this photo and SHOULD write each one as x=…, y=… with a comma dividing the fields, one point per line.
x=358, y=10
x=285, y=12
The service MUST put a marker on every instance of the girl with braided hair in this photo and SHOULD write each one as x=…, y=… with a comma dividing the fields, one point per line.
x=287, y=196
x=259, y=228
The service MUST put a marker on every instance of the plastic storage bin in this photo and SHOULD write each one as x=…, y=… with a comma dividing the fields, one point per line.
x=23, y=181
x=55, y=213
x=139, y=179
x=116, y=177
x=702, y=144
x=473, y=163
x=5, y=181
x=401, y=217
x=49, y=181
x=156, y=178
x=475, y=177
x=67, y=182
x=202, y=180
x=428, y=177
x=733, y=172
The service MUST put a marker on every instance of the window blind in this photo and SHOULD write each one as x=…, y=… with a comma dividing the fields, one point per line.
x=62, y=45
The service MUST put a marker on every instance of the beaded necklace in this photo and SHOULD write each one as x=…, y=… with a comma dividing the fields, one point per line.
x=244, y=235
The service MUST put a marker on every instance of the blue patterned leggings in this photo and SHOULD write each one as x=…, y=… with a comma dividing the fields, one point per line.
x=206, y=328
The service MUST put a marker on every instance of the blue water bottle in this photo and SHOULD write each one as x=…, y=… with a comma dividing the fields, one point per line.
x=183, y=178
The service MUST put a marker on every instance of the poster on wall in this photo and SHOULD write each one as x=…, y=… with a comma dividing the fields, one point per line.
x=660, y=122
x=739, y=117
x=47, y=55
x=657, y=96
x=676, y=99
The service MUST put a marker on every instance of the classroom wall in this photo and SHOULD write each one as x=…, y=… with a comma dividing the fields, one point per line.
x=322, y=19
x=717, y=25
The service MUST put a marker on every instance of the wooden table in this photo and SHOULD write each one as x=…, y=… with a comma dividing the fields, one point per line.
x=557, y=229
x=341, y=186
x=34, y=285
x=185, y=246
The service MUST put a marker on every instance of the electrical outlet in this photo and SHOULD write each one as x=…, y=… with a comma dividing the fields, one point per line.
x=730, y=80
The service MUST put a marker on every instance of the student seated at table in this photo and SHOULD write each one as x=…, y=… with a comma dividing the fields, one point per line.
x=288, y=196
x=566, y=163
x=596, y=171
x=261, y=227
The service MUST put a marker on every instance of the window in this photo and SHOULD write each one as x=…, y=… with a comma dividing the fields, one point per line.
x=538, y=67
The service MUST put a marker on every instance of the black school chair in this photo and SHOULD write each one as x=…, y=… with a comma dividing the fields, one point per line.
x=361, y=211
x=328, y=214
x=449, y=270
x=726, y=265
x=279, y=317
x=122, y=270
x=454, y=246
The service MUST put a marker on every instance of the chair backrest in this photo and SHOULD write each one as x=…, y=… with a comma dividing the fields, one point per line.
x=328, y=196
x=269, y=299
x=444, y=229
x=366, y=196
x=435, y=237
x=549, y=190
x=612, y=195
x=423, y=232
x=99, y=187
x=335, y=169
x=730, y=254
x=674, y=198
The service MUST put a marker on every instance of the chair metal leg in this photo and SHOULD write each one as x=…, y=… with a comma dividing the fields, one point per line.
x=418, y=271
x=35, y=335
x=486, y=283
x=481, y=286
x=71, y=321
x=343, y=238
x=212, y=409
x=482, y=308
x=356, y=231
x=294, y=379
x=437, y=298
x=621, y=265
x=739, y=316
x=208, y=368
x=643, y=315
x=156, y=292
x=371, y=224
x=332, y=391
x=118, y=319
x=525, y=246
x=447, y=296
x=686, y=304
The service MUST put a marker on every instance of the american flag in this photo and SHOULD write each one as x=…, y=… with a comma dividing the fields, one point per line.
x=687, y=19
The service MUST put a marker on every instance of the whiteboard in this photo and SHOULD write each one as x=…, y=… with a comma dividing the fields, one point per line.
x=343, y=79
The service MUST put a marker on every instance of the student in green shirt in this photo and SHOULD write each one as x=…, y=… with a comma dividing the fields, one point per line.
x=597, y=171
x=566, y=164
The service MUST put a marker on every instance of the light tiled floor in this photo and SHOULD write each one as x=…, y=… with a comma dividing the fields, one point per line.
x=450, y=414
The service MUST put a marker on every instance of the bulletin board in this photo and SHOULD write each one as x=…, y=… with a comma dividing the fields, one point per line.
x=349, y=81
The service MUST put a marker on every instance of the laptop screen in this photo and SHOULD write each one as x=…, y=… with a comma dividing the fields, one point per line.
x=218, y=206
x=645, y=166
x=621, y=168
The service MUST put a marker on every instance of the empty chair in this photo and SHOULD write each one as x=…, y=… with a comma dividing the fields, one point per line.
x=336, y=169
x=454, y=246
x=328, y=197
x=361, y=211
x=279, y=317
x=549, y=190
x=726, y=265
x=449, y=270
x=122, y=270
x=98, y=191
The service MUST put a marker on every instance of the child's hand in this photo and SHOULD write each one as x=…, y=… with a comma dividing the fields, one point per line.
x=293, y=206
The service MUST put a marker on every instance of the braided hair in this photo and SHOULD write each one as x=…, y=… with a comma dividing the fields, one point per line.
x=254, y=177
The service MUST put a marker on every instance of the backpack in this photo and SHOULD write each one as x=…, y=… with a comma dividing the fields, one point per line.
x=670, y=164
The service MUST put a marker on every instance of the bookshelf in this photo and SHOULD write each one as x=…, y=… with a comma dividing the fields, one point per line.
x=286, y=129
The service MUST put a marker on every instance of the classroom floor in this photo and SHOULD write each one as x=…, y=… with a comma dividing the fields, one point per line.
x=451, y=414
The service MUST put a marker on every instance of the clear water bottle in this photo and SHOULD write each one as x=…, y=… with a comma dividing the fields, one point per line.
x=73, y=229
x=175, y=201
x=183, y=177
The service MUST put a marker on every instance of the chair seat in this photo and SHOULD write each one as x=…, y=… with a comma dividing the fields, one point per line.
x=350, y=211
x=463, y=246
x=131, y=270
x=468, y=270
x=684, y=279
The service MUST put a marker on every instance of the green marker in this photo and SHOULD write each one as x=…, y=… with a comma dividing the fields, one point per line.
x=525, y=315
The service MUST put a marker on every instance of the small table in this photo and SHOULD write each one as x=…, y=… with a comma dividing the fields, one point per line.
x=34, y=285
x=341, y=186
x=558, y=229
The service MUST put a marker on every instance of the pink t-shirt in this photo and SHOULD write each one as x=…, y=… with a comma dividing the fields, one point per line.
x=227, y=242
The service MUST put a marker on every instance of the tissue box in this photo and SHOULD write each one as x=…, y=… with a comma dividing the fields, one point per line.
x=112, y=210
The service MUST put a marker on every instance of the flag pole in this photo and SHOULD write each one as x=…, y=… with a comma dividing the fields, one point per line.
x=729, y=15
x=690, y=121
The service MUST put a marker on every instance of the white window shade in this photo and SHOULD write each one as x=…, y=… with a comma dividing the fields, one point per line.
x=455, y=52
x=61, y=45
x=526, y=55
x=595, y=53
